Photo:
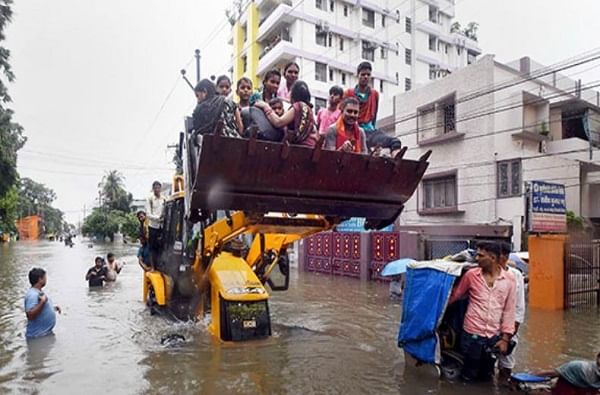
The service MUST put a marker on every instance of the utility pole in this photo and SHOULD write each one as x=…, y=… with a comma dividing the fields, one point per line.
x=197, y=56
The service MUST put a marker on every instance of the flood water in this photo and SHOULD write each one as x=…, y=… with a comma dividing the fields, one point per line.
x=330, y=335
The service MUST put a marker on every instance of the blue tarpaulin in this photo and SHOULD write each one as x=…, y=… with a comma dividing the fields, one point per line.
x=425, y=297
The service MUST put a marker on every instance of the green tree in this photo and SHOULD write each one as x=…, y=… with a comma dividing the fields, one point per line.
x=11, y=133
x=130, y=226
x=33, y=197
x=113, y=192
x=8, y=210
x=471, y=30
x=102, y=224
x=53, y=220
x=36, y=198
x=455, y=27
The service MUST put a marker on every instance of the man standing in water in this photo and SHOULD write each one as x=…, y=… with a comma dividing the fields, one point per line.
x=506, y=363
x=38, y=307
x=96, y=276
x=490, y=318
x=112, y=267
x=155, y=205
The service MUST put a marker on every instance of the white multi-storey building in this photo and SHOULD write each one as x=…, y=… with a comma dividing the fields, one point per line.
x=408, y=42
x=493, y=127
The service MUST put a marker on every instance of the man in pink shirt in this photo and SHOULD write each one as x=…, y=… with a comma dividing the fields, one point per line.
x=329, y=116
x=490, y=318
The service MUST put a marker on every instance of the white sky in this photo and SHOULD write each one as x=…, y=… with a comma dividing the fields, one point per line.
x=92, y=76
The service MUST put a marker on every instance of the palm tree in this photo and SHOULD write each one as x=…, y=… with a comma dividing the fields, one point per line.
x=112, y=189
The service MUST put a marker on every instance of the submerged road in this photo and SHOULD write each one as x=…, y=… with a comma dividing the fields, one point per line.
x=331, y=335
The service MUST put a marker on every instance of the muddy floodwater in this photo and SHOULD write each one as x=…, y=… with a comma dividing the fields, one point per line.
x=330, y=336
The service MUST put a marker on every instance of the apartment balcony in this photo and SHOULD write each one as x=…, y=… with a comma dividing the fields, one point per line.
x=281, y=51
x=464, y=41
x=430, y=28
x=444, y=6
x=268, y=5
x=282, y=15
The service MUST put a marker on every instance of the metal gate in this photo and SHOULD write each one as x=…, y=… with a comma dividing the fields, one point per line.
x=582, y=273
x=334, y=253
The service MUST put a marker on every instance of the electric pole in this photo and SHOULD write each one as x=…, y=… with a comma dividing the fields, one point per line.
x=197, y=56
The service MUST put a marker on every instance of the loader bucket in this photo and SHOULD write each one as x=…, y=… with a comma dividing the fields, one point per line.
x=259, y=176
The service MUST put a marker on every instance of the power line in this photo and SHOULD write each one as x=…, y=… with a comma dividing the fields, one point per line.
x=466, y=98
x=491, y=112
x=87, y=162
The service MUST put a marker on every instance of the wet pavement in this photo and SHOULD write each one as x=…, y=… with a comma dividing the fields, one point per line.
x=330, y=335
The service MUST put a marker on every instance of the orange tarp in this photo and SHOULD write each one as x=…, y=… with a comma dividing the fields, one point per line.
x=29, y=227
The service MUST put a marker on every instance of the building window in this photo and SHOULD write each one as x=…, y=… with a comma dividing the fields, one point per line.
x=432, y=42
x=368, y=51
x=408, y=25
x=437, y=119
x=433, y=14
x=432, y=71
x=331, y=74
x=449, y=109
x=320, y=72
x=407, y=56
x=446, y=48
x=407, y=84
x=383, y=53
x=470, y=57
x=341, y=44
x=331, y=5
x=381, y=83
x=321, y=37
x=321, y=5
x=509, y=178
x=343, y=78
x=244, y=63
x=320, y=103
x=330, y=39
x=382, y=20
x=439, y=192
x=459, y=50
x=368, y=17
x=345, y=10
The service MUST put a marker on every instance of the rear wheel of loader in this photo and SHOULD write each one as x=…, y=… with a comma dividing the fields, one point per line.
x=151, y=300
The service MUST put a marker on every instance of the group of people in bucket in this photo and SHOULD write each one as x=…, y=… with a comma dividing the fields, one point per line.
x=282, y=111
x=496, y=309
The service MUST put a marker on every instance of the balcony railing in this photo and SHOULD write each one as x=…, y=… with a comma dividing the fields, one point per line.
x=272, y=43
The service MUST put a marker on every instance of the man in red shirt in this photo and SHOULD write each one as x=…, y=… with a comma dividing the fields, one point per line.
x=490, y=318
x=369, y=106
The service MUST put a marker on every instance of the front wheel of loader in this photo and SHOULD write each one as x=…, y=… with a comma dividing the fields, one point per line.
x=151, y=301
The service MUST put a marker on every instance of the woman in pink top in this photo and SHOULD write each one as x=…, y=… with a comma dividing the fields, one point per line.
x=298, y=118
x=290, y=74
x=328, y=116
